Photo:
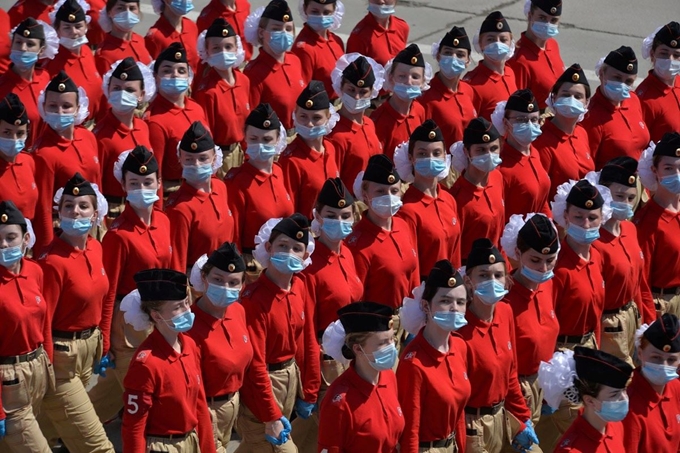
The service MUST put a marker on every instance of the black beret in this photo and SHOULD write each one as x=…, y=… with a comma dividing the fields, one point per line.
x=621, y=170
x=479, y=131
x=552, y=7
x=196, y=139
x=483, y=252
x=361, y=317
x=456, y=38
x=127, y=70
x=78, y=186
x=426, y=132
x=669, y=145
x=669, y=35
x=161, y=285
x=410, y=56
x=539, y=233
x=227, y=258
x=522, y=101
x=10, y=214
x=664, y=333
x=380, y=169
x=175, y=53
x=602, y=368
x=140, y=161
x=494, y=22
x=584, y=195
x=264, y=117
x=70, y=11
x=314, y=97
x=278, y=10
x=295, y=227
x=573, y=74
x=12, y=110
x=30, y=28
x=220, y=28
x=334, y=194
x=623, y=59
x=443, y=275
x=62, y=83
x=360, y=73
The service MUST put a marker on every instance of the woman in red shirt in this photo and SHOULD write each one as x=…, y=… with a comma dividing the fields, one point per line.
x=165, y=372
x=173, y=26
x=380, y=34
x=362, y=411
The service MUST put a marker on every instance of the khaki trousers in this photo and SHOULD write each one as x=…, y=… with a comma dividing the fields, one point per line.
x=533, y=395
x=188, y=445
x=286, y=387
x=253, y=268
x=68, y=407
x=230, y=159
x=452, y=449
x=618, y=333
x=486, y=433
x=23, y=387
x=223, y=415
x=667, y=303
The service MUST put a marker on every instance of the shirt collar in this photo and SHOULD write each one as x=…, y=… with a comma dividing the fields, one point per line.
x=658, y=84
x=353, y=125
x=365, y=387
x=487, y=73
x=380, y=233
x=164, y=349
x=526, y=43
x=600, y=99
x=129, y=215
x=568, y=255
x=6, y=276
x=647, y=393
x=305, y=149
x=664, y=214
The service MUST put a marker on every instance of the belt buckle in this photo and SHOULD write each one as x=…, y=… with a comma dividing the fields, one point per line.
x=87, y=333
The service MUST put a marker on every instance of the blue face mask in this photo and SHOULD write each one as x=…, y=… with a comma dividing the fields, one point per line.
x=23, y=60
x=181, y=322
x=355, y=105
x=381, y=11
x=222, y=296
x=286, y=263
x=75, y=227
x=582, y=235
x=335, y=229
x=613, y=411
x=386, y=205
x=497, y=51
x=310, y=133
x=490, y=291
x=60, y=122
x=142, y=198
x=526, y=133
x=406, y=92
x=126, y=20
x=10, y=255
x=222, y=60
x=544, y=30
x=659, y=374
x=280, y=41
x=451, y=66
x=181, y=7
x=449, y=320
x=429, y=167
x=172, y=86
x=486, y=162
x=667, y=68
x=320, y=23
x=197, y=173
x=569, y=107
x=671, y=183
x=621, y=210
x=260, y=152
x=10, y=147
x=536, y=276
x=384, y=358
x=616, y=91
x=122, y=101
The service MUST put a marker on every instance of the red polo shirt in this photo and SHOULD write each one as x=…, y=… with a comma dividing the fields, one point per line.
x=435, y=226
x=660, y=105
x=29, y=8
x=386, y=261
x=526, y=182
x=163, y=33
x=17, y=183
x=393, y=128
x=200, y=222
x=95, y=34
x=451, y=110
x=535, y=68
x=563, y=156
x=5, y=41
x=226, y=106
x=582, y=437
x=490, y=87
x=279, y=84
x=318, y=56
x=432, y=382
x=226, y=350
x=236, y=18
x=481, y=210
x=113, y=49
x=615, y=131
x=373, y=40
x=359, y=416
x=255, y=197
x=28, y=92
x=305, y=171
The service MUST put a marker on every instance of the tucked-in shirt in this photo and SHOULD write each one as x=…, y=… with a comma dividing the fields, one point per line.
x=658, y=231
x=660, y=105
x=371, y=39
x=490, y=87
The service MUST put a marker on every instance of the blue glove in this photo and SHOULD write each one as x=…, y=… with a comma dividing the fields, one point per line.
x=103, y=364
x=304, y=409
x=3, y=431
x=526, y=438
x=547, y=409
x=284, y=436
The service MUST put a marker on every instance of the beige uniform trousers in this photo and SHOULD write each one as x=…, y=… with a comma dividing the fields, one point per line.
x=187, y=445
x=231, y=158
x=667, y=303
x=23, y=387
x=533, y=395
x=618, y=333
x=453, y=448
x=223, y=415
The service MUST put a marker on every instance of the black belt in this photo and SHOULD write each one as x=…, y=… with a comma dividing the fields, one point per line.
x=248, y=250
x=492, y=410
x=279, y=366
x=616, y=311
x=290, y=132
x=217, y=399
x=577, y=339
x=171, y=436
x=21, y=358
x=228, y=148
x=81, y=335
x=443, y=443
x=115, y=200
x=327, y=357
x=670, y=290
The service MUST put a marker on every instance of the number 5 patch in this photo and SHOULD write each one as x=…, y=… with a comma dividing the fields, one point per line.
x=137, y=403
